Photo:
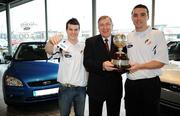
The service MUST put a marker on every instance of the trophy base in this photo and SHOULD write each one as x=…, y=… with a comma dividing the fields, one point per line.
x=121, y=65
x=123, y=69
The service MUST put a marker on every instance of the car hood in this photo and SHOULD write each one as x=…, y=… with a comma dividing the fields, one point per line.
x=171, y=73
x=33, y=70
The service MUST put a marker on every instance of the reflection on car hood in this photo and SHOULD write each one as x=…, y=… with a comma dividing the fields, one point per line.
x=171, y=73
x=30, y=70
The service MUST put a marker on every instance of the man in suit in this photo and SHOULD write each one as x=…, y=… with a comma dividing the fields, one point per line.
x=104, y=82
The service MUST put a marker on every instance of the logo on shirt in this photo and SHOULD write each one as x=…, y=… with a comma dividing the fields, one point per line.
x=81, y=51
x=67, y=55
x=147, y=41
x=129, y=45
x=154, y=49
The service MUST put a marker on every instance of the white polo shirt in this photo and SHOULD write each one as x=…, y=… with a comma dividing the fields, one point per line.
x=71, y=69
x=143, y=47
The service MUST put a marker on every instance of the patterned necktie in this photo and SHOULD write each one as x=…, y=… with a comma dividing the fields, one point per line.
x=106, y=44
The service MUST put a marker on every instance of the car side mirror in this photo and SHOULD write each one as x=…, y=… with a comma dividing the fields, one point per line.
x=8, y=57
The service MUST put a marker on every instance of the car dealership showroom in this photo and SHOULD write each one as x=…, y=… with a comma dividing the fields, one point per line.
x=28, y=75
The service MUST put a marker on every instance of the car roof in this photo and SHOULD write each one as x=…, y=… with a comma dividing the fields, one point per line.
x=174, y=40
x=31, y=42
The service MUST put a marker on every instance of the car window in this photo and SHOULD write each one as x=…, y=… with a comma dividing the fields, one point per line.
x=174, y=50
x=31, y=51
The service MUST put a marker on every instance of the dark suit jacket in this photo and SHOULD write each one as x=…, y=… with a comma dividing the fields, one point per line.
x=101, y=83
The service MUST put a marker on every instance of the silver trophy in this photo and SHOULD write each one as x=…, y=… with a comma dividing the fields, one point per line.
x=120, y=59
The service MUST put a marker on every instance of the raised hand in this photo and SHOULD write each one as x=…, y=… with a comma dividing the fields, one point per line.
x=56, y=38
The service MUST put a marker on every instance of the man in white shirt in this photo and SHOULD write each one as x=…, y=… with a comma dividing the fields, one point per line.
x=72, y=75
x=147, y=52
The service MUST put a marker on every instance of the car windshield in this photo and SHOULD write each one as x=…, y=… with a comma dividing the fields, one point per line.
x=174, y=50
x=31, y=51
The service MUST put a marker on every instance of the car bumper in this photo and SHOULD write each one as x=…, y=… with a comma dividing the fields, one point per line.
x=19, y=95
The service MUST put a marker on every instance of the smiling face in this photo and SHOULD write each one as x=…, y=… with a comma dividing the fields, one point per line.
x=105, y=26
x=140, y=18
x=72, y=31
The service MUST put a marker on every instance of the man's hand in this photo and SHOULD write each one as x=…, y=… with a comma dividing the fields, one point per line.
x=54, y=40
x=108, y=66
x=134, y=67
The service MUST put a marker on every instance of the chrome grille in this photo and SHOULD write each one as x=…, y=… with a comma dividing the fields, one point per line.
x=42, y=83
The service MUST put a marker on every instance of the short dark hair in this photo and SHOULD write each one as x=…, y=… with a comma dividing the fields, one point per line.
x=72, y=21
x=141, y=6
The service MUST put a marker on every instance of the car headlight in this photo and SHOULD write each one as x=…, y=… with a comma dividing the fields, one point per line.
x=12, y=81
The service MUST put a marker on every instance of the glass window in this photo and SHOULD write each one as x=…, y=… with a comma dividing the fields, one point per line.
x=28, y=22
x=167, y=18
x=120, y=12
x=59, y=12
x=3, y=31
x=3, y=37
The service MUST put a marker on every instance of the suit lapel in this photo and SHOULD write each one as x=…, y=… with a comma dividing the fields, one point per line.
x=102, y=45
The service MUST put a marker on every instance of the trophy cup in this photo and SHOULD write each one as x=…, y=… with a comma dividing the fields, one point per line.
x=120, y=59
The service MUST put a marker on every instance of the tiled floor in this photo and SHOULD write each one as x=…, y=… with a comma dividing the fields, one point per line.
x=51, y=108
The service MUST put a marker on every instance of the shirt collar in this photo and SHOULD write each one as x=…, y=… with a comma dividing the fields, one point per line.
x=149, y=29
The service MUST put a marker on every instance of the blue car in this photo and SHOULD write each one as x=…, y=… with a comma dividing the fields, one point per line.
x=31, y=76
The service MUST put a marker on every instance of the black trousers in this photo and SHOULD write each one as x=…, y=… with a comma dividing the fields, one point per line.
x=112, y=103
x=142, y=97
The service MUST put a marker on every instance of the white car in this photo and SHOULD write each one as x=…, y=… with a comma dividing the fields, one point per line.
x=170, y=80
x=1, y=58
x=3, y=43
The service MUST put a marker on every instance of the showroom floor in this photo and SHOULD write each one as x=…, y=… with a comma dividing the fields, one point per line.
x=49, y=108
